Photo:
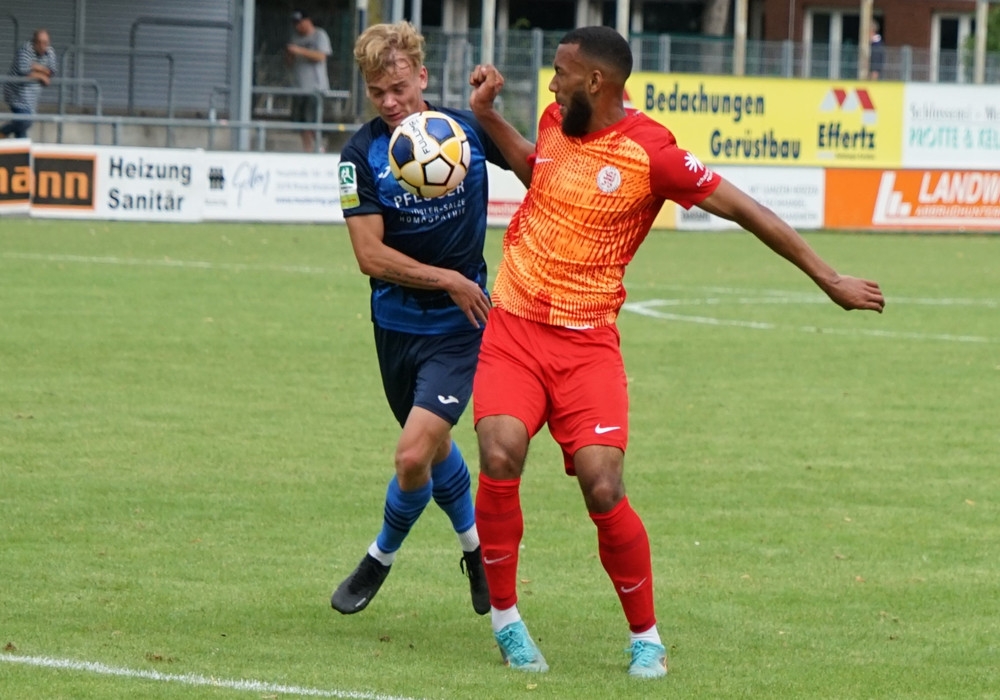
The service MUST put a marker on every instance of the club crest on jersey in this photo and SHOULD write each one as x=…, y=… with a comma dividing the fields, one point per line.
x=609, y=179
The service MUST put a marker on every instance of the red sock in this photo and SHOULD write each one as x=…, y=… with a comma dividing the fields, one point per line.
x=501, y=525
x=624, y=548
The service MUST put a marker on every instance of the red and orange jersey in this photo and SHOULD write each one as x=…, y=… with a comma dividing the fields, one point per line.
x=591, y=202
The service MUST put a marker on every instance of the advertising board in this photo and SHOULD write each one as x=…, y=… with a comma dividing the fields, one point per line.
x=945, y=200
x=16, y=177
x=951, y=126
x=728, y=120
x=794, y=194
x=272, y=187
x=111, y=182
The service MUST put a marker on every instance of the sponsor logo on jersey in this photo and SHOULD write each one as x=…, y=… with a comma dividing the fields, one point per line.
x=348, y=177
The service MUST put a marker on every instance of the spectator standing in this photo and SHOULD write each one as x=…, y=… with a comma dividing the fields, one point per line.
x=36, y=61
x=306, y=54
x=877, y=58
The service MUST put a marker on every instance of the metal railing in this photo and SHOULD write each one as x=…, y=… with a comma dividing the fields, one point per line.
x=323, y=97
x=61, y=83
x=520, y=55
x=75, y=50
x=17, y=30
x=118, y=122
x=161, y=22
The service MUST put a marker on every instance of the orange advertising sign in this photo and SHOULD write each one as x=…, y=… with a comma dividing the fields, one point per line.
x=16, y=177
x=913, y=199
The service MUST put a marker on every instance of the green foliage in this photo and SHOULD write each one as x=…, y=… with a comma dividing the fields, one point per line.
x=992, y=32
x=194, y=448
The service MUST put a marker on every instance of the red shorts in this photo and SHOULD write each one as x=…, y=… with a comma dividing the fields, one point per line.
x=574, y=380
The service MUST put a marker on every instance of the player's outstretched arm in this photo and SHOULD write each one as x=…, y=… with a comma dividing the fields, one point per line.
x=378, y=260
x=729, y=202
x=487, y=82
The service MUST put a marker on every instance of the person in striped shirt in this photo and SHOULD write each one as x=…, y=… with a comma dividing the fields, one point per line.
x=597, y=177
x=36, y=61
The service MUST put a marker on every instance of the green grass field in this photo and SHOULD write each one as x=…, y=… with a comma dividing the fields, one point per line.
x=194, y=447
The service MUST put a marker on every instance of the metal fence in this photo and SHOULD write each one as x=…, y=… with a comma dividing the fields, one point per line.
x=520, y=54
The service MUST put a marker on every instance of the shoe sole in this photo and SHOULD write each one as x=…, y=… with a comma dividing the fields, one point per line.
x=535, y=667
x=350, y=611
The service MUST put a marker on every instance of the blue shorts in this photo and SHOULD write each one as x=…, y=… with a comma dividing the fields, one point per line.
x=431, y=371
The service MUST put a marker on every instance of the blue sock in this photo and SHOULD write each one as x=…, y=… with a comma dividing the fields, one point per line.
x=402, y=508
x=452, y=489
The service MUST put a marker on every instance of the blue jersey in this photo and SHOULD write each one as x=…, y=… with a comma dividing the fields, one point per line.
x=447, y=231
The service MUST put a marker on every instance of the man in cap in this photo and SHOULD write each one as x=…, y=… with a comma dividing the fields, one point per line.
x=306, y=55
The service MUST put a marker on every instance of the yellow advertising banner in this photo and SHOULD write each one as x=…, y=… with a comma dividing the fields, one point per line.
x=771, y=121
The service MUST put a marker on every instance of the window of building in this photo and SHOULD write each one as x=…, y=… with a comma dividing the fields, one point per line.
x=831, y=40
x=949, y=36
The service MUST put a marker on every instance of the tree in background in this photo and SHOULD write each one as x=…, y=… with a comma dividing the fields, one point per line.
x=992, y=40
x=993, y=30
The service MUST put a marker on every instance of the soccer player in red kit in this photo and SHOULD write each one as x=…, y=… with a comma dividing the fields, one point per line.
x=596, y=179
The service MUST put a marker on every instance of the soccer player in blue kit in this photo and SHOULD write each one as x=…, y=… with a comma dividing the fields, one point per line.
x=429, y=306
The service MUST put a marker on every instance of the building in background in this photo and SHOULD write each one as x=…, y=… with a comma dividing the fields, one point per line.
x=188, y=58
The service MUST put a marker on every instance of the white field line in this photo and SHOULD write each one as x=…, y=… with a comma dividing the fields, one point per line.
x=191, y=679
x=818, y=299
x=778, y=296
x=168, y=262
x=644, y=308
x=764, y=296
x=651, y=309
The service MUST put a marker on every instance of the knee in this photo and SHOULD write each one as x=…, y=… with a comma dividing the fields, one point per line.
x=603, y=495
x=411, y=463
x=499, y=461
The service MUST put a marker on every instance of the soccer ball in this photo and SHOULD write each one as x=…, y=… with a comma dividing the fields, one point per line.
x=429, y=154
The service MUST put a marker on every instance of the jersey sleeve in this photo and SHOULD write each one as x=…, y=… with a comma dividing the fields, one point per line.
x=679, y=175
x=493, y=154
x=358, y=193
x=490, y=149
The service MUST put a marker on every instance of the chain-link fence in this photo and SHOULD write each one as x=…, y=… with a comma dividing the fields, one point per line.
x=520, y=54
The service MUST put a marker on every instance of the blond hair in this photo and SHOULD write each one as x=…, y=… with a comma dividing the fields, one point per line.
x=380, y=47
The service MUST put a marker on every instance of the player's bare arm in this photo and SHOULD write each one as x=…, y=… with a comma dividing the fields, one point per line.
x=487, y=82
x=376, y=259
x=729, y=202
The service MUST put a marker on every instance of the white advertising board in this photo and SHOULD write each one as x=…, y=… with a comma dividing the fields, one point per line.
x=158, y=184
x=506, y=194
x=794, y=194
x=110, y=182
x=951, y=126
x=272, y=187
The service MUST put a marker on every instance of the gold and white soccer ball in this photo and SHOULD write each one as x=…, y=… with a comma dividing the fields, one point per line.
x=429, y=154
